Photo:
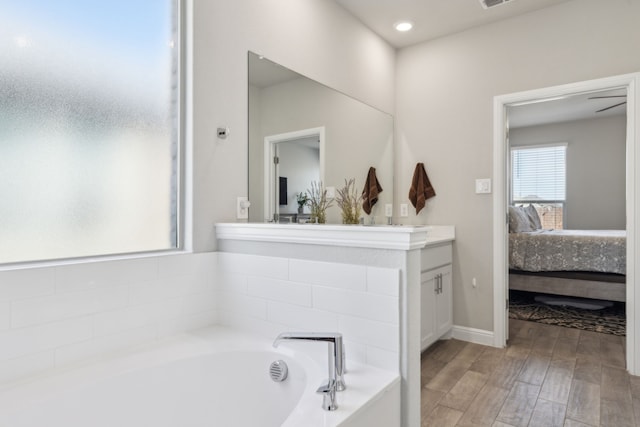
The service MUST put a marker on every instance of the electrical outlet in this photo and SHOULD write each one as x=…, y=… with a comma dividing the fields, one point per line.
x=242, y=208
x=388, y=209
x=404, y=210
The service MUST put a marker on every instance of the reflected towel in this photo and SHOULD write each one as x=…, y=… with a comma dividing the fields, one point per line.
x=421, y=188
x=371, y=190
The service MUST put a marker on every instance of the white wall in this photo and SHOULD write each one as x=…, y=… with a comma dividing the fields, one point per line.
x=300, y=164
x=595, y=168
x=313, y=37
x=445, y=90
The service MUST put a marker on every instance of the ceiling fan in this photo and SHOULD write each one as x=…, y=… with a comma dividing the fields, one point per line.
x=611, y=106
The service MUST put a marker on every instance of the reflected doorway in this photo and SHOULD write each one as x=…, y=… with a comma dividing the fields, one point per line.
x=292, y=161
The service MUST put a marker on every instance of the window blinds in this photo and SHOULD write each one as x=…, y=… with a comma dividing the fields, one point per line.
x=538, y=173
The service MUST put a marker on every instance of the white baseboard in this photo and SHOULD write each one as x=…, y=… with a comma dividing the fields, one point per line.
x=477, y=336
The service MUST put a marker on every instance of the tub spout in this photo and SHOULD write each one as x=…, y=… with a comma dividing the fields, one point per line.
x=335, y=357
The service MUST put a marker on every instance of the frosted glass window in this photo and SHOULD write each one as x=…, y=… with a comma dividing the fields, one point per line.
x=89, y=128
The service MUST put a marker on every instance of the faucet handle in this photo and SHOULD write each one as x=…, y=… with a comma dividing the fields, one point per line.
x=328, y=392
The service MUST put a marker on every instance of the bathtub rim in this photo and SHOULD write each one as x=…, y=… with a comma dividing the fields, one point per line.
x=362, y=389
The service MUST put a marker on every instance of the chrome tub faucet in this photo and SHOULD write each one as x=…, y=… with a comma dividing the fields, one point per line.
x=335, y=360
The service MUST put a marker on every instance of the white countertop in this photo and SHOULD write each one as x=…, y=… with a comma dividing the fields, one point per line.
x=398, y=237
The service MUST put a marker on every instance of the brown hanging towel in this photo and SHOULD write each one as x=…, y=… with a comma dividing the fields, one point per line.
x=421, y=188
x=371, y=190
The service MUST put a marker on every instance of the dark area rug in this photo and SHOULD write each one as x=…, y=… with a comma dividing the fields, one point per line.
x=609, y=320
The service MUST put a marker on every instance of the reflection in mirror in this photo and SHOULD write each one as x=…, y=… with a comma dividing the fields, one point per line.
x=316, y=134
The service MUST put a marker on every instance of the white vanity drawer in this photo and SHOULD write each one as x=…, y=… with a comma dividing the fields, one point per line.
x=435, y=256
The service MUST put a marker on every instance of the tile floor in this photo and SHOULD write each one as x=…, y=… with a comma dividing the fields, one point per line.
x=547, y=376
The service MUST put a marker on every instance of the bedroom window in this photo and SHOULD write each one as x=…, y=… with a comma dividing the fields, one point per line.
x=90, y=135
x=538, y=177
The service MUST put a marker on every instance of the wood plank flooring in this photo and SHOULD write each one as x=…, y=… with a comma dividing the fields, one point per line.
x=547, y=376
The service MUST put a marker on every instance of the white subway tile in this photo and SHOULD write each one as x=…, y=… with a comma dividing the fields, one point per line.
x=31, y=364
x=253, y=265
x=198, y=303
x=231, y=282
x=383, y=359
x=23, y=341
x=115, y=321
x=280, y=290
x=26, y=283
x=5, y=315
x=301, y=318
x=102, y=346
x=159, y=290
x=242, y=305
x=70, y=304
x=251, y=325
x=344, y=276
x=198, y=264
x=151, y=292
x=369, y=332
x=385, y=281
x=355, y=352
x=82, y=276
x=382, y=308
x=187, y=323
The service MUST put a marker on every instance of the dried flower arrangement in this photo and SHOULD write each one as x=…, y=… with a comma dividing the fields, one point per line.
x=350, y=202
x=318, y=202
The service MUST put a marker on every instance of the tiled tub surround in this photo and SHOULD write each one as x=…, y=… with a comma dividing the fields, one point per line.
x=68, y=316
x=66, y=319
x=335, y=257
x=206, y=377
x=52, y=317
x=268, y=295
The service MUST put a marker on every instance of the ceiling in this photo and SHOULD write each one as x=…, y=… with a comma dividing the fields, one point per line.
x=574, y=107
x=433, y=18
x=438, y=18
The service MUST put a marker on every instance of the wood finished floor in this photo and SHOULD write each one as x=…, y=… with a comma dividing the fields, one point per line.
x=547, y=376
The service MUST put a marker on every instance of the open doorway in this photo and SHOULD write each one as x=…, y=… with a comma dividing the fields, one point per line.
x=506, y=110
x=567, y=213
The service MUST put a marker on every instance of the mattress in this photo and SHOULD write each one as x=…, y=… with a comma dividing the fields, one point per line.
x=601, y=251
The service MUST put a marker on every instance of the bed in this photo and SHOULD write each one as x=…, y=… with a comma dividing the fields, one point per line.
x=580, y=263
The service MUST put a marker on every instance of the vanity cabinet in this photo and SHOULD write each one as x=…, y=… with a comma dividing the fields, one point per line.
x=436, y=297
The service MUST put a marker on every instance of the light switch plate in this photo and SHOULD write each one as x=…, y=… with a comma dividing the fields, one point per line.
x=483, y=186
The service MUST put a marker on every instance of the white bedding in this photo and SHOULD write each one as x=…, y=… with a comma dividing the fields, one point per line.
x=601, y=251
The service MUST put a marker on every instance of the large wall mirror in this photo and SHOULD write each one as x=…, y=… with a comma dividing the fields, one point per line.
x=317, y=134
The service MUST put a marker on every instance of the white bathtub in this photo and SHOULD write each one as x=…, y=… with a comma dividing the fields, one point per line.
x=211, y=377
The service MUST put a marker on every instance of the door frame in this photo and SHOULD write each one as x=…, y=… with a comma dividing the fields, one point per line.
x=270, y=143
x=630, y=82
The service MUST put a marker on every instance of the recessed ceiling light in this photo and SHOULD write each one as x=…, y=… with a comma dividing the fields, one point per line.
x=403, y=26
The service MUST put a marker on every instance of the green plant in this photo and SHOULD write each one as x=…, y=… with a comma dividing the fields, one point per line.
x=350, y=202
x=319, y=202
x=302, y=199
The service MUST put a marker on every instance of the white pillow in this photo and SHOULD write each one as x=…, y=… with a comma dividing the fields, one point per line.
x=531, y=211
x=519, y=220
